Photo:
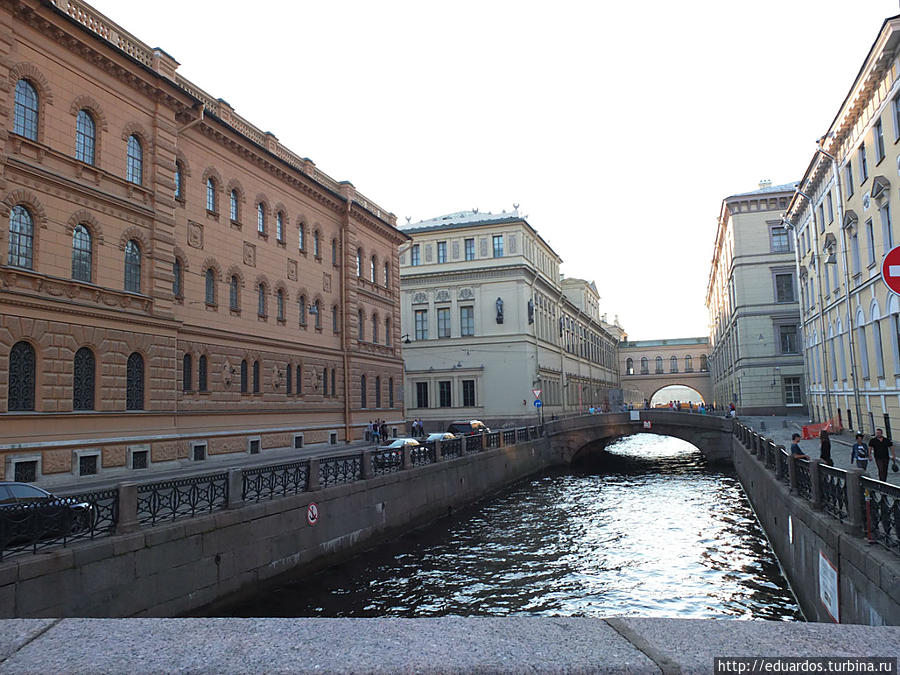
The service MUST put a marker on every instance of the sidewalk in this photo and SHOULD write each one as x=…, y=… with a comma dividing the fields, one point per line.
x=779, y=429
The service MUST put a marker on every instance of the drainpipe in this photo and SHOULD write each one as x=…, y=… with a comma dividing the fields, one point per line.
x=840, y=213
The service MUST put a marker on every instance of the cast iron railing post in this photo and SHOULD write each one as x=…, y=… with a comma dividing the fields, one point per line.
x=856, y=516
x=406, y=458
x=127, y=508
x=366, y=469
x=235, y=488
x=815, y=486
x=792, y=470
x=437, y=450
x=313, y=477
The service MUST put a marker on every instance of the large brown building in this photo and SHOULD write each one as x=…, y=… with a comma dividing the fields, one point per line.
x=174, y=283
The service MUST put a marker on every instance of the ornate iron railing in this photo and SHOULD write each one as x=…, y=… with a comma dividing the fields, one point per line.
x=770, y=455
x=881, y=502
x=451, y=448
x=833, y=488
x=509, y=437
x=181, y=498
x=521, y=434
x=533, y=432
x=783, y=459
x=492, y=440
x=473, y=443
x=344, y=469
x=804, y=480
x=276, y=480
x=386, y=461
x=423, y=454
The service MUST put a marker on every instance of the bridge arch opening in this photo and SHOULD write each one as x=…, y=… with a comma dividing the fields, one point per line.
x=675, y=392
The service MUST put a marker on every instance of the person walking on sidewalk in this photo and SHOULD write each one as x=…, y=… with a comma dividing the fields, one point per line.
x=859, y=453
x=825, y=448
x=878, y=448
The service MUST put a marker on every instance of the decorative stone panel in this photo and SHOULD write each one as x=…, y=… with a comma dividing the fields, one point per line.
x=326, y=282
x=428, y=248
x=249, y=254
x=454, y=250
x=483, y=245
x=512, y=243
x=292, y=269
x=466, y=294
x=195, y=234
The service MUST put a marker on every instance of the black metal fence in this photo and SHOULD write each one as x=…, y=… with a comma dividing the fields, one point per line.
x=423, y=454
x=882, y=504
x=804, y=480
x=833, y=488
x=386, y=461
x=170, y=500
x=336, y=470
x=277, y=480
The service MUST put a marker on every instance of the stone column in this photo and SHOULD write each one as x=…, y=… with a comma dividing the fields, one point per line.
x=313, y=478
x=815, y=486
x=127, y=508
x=437, y=451
x=367, y=471
x=407, y=458
x=792, y=470
x=235, y=488
x=856, y=508
x=779, y=467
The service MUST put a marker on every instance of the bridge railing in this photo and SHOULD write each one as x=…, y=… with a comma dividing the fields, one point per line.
x=102, y=513
x=868, y=507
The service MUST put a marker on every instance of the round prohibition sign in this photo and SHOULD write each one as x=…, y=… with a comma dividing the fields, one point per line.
x=890, y=269
x=312, y=513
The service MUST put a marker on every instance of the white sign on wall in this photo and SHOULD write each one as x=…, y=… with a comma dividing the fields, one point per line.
x=635, y=415
x=828, y=587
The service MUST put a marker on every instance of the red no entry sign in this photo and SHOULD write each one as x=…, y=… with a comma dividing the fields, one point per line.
x=890, y=269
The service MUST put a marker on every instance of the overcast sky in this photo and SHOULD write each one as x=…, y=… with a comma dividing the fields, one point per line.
x=617, y=127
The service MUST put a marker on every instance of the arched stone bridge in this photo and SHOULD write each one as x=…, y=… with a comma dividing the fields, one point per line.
x=576, y=437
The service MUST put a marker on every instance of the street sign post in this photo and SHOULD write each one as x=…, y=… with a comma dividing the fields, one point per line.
x=890, y=269
x=537, y=403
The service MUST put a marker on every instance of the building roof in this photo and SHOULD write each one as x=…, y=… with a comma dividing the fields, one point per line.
x=784, y=187
x=660, y=343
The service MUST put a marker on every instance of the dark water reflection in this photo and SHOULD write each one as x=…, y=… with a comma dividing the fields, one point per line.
x=650, y=531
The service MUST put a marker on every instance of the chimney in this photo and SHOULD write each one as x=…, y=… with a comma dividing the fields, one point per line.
x=764, y=183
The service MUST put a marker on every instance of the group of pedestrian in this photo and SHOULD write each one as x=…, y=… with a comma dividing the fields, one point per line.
x=378, y=430
x=418, y=429
x=879, y=449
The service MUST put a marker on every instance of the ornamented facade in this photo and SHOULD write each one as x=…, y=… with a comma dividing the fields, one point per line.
x=175, y=285
x=489, y=320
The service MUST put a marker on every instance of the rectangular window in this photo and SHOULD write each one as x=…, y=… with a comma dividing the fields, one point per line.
x=821, y=217
x=444, y=392
x=198, y=451
x=878, y=134
x=414, y=255
x=442, y=251
x=468, y=392
x=139, y=459
x=784, y=288
x=421, y=324
x=848, y=177
x=498, y=245
x=443, y=317
x=887, y=232
x=421, y=394
x=854, y=250
x=470, y=249
x=781, y=242
x=792, y=391
x=25, y=472
x=830, y=203
x=895, y=106
x=466, y=321
x=87, y=465
x=863, y=164
x=870, y=241
x=788, y=339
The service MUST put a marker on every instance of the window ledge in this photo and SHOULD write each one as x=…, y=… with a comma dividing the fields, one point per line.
x=262, y=235
x=262, y=317
x=234, y=312
x=212, y=215
x=281, y=322
x=281, y=242
x=236, y=224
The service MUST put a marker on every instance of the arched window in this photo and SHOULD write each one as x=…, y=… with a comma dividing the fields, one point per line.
x=85, y=137
x=375, y=328
x=299, y=379
x=211, y=194
x=301, y=233
x=83, y=373
x=279, y=226
x=704, y=363
x=316, y=309
x=82, y=251
x=629, y=367
x=317, y=247
x=233, y=293
x=179, y=181
x=362, y=392
x=673, y=364
x=132, y=267
x=387, y=275
x=279, y=304
x=387, y=331
x=688, y=364
x=302, y=306
x=361, y=320
x=20, y=391
x=134, y=382
x=256, y=377
x=334, y=319
x=391, y=392
x=333, y=390
x=135, y=161
x=201, y=373
x=233, y=206
x=244, y=376
x=177, y=278
x=659, y=364
x=25, y=116
x=187, y=372
x=334, y=251
x=21, y=238
x=645, y=365
x=378, y=391
x=359, y=262
x=210, y=286
x=261, y=218
x=372, y=265
x=324, y=381
x=261, y=299
x=289, y=379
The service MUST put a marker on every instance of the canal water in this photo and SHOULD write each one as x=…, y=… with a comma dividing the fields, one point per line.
x=648, y=530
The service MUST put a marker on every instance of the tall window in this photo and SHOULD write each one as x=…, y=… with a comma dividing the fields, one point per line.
x=256, y=377
x=233, y=206
x=470, y=249
x=302, y=306
x=333, y=390
x=421, y=394
x=780, y=241
x=788, y=339
x=895, y=106
x=21, y=238
x=442, y=251
x=301, y=234
x=414, y=255
x=792, y=391
x=25, y=115
x=373, y=263
x=870, y=241
x=85, y=137
x=202, y=368
x=688, y=364
x=244, y=386
x=466, y=321
x=210, y=286
x=334, y=250
x=81, y=254
x=335, y=319
x=629, y=367
x=443, y=320
x=391, y=392
x=359, y=262
x=289, y=377
x=659, y=364
x=854, y=253
x=279, y=304
x=135, y=161
x=887, y=231
x=261, y=299
x=377, y=391
x=83, y=370
x=317, y=311
x=211, y=194
x=830, y=202
x=878, y=134
x=704, y=363
x=863, y=351
x=848, y=177
x=387, y=331
x=375, y=328
x=324, y=381
x=361, y=321
x=179, y=181
x=784, y=288
x=863, y=164
x=299, y=379
x=387, y=275
x=134, y=382
x=498, y=245
x=645, y=366
x=177, y=278
x=261, y=218
x=317, y=244
x=421, y=322
x=187, y=372
x=132, y=267
x=879, y=349
x=444, y=397
x=20, y=390
x=233, y=293
x=279, y=226
x=468, y=392
x=362, y=392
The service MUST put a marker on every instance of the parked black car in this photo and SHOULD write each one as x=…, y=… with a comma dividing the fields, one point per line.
x=29, y=514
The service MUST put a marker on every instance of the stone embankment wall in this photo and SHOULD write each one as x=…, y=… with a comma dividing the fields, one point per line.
x=178, y=568
x=868, y=576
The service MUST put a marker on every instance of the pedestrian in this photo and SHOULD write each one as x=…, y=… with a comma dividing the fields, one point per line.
x=878, y=449
x=825, y=448
x=795, y=447
x=859, y=453
x=384, y=430
x=375, y=432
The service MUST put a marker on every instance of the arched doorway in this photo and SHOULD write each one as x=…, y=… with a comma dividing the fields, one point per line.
x=676, y=392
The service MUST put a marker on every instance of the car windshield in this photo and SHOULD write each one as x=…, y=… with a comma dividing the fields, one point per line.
x=28, y=493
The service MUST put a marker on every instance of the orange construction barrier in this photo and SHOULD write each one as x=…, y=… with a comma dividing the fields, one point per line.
x=811, y=431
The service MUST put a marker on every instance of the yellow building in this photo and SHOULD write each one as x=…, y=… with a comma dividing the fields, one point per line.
x=843, y=215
